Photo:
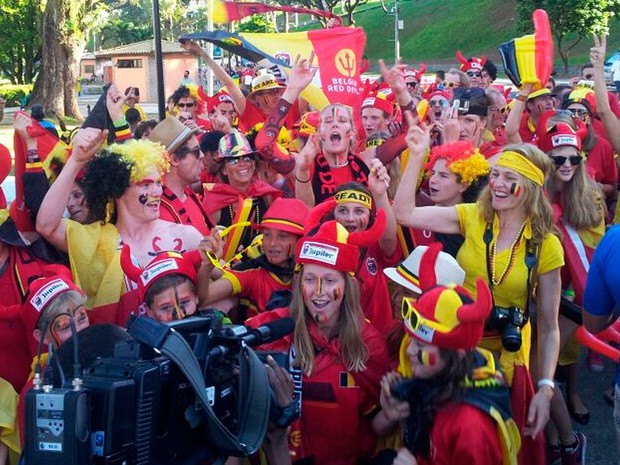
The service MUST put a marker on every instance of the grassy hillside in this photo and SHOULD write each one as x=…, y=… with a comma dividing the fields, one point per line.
x=435, y=29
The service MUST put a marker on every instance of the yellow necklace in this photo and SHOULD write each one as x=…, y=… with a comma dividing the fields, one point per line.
x=511, y=259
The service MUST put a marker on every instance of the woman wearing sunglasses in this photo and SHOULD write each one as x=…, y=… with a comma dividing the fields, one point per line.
x=337, y=357
x=445, y=386
x=580, y=218
x=509, y=242
x=600, y=159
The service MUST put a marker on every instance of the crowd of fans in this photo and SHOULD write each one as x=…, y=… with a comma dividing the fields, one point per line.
x=436, y=248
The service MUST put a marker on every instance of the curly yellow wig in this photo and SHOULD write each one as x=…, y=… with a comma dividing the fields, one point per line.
x=463, y=159
x=143, y=155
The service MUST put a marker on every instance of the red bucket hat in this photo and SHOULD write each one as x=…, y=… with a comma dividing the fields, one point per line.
x=220, y=97
x=165, y=264
x=288, y=215
x=448, y=316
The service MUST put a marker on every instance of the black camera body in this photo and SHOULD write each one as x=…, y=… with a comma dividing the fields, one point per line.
x=508, y=321
x=142, y=409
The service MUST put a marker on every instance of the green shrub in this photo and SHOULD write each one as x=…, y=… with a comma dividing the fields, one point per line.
x=14, y=93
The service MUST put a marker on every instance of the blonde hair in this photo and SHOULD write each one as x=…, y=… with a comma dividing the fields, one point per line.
x=536, y=205
x=353, y=351
x=58, y=306
x=581, y=198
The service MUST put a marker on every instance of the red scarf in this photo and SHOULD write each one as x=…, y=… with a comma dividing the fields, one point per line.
x=221, y=195
x=323, y=184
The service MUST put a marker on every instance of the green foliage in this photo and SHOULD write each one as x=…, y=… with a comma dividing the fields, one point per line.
x=257, y=23
x=14, y=93
x=20, y=44
x=571, y=21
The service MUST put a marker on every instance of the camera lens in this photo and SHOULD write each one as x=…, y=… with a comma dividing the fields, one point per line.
x=511, y=338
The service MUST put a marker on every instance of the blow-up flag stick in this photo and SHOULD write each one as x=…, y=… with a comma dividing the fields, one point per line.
x=529, y=59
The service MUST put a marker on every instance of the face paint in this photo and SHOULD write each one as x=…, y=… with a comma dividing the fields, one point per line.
x=178, y=314
x=515, y=189
x=427, y=358
x=319, y=287
x=336, y=294
x=143, y=199
x=320, y=318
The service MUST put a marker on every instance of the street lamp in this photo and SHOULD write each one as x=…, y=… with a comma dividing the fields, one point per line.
x=159, y=61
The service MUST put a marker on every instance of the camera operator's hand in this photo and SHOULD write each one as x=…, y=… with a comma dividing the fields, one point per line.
x=280, y=381
x=394, y=409
x=404, y=457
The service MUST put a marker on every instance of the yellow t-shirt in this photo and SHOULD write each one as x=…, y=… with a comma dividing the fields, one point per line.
x=513, y=289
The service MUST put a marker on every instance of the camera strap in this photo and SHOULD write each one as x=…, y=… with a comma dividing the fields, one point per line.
x=253, y=398
x=531, y=261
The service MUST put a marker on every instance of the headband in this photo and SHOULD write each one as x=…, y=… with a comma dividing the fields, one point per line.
x=519, y=163
x=354, y=196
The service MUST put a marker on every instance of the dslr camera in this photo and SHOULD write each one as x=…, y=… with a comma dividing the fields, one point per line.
x=508, y=321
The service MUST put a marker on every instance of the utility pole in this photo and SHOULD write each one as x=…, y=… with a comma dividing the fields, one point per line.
x=396, y=27
x=210, y=50
x=159, y=61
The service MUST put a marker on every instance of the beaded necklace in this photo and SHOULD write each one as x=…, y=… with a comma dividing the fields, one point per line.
x=511, y=260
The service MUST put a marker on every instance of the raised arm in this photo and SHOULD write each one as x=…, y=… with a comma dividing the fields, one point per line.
x=233, y=89
x=438, y=219
x=611, y=123
x=304, y=160
x=513, y=121
x=50, y=222
x=378, y=182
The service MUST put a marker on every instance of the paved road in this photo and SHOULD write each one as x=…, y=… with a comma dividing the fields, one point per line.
x=600, y=431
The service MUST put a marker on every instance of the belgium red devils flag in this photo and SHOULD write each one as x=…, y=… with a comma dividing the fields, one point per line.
x=338, y=54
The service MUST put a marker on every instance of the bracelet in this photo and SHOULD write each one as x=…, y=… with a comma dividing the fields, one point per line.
x=303, y=182
x=546, y=382
x=521, y=98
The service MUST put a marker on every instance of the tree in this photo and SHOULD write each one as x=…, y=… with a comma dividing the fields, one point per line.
x=64, y=29
x=20, y=44
x=580, y=18
x=257, y=23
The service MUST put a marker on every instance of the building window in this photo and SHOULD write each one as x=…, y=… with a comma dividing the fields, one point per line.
x=89, y=69
x=129, y=64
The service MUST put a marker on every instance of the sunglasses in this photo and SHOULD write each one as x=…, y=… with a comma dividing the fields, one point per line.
x=195, y=152
x=443, y=103
x=235, y=160
x=500, y=110
x=573, y=159
x=474, y=73
x=451, y=84
x=416, y=322
x=185, y=105
x=580, y=112
x=413, y=85
x=589, y=76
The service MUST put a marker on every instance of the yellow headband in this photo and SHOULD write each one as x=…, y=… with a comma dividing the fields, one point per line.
x=354, y=196
x=519, y=163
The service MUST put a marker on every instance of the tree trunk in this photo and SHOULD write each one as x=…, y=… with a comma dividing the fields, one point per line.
x=63, y=44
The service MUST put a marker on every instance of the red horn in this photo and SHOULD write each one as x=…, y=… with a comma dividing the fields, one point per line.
x=479, y=309
x=428, y=275
x=317, y=213
x=194, y=257
x=130, y=270
x=460, y=57
x=483, y=60
x=372, y=234
x=422, y=68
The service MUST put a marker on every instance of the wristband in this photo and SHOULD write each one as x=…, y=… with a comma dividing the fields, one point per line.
x=120, y=123
x=521, y=98
x=303, y=182
x=546, y=382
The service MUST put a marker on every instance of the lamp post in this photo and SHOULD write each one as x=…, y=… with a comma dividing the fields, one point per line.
x=396, y=27
x=159, y=61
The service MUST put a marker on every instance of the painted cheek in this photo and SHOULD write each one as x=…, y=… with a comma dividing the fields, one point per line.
x=426, y=358
x=492, y=183
x=515, y=189
x=336, y=294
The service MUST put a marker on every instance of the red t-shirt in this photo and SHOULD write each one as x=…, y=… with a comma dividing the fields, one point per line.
x=375, y=296
x=601, y=163
x=463, y=435
x=252, y=116
x=257, y=285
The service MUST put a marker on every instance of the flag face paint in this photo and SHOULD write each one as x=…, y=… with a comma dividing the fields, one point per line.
x=428, y=359
x=515, y=189
x=336, y=294
x=319, y=287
